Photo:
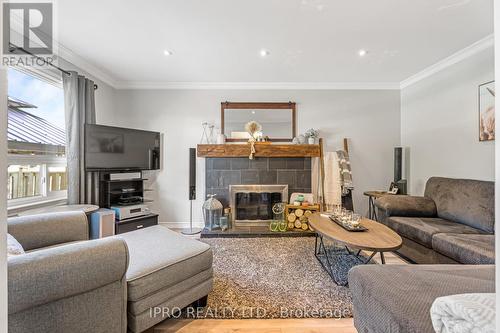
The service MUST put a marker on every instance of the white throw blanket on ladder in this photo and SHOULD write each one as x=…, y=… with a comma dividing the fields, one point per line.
x=333, y=188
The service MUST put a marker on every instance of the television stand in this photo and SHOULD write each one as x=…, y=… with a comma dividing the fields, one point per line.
x=135, y=223
x=113, y=192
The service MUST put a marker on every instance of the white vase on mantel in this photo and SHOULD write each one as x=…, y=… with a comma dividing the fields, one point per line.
x=311, y=140
x=221, y=139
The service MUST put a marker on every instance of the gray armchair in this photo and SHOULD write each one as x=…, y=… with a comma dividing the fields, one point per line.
x=63, y=284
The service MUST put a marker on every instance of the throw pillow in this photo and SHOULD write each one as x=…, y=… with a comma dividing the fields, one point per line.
x=14, y=248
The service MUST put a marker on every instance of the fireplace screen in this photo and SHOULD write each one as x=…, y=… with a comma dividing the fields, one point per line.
x=253, y=204
x=256, y=206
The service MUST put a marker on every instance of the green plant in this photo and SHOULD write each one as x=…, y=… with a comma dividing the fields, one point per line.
x=312, y=133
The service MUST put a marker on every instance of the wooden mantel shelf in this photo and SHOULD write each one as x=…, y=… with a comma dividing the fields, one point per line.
x=261, y=150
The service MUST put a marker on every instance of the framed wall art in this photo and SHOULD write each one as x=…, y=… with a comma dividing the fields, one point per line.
x=487, y=111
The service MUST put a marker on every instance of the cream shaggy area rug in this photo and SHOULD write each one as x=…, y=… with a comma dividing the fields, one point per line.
x=272, y=278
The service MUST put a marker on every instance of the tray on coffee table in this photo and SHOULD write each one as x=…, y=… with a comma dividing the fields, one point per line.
x=348, y=227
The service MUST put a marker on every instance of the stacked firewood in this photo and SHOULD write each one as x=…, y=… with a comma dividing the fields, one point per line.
x=298, y=216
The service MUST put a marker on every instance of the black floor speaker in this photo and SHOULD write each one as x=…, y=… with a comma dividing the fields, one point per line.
x=399, y=159
x=398, y=164
x=192, y=192
x=192, y=173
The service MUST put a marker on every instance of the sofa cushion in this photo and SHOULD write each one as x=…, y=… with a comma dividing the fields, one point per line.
x=169, y=293
x=471, y=202
x=406, y=205
x=466, y=249
x=398, y=298
x=421, y=229
x=51, y=229
x=173, y=298
x=161, y=258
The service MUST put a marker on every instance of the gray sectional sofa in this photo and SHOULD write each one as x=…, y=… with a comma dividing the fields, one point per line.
x=67, y=283
x=398, y=298
x=453, y=222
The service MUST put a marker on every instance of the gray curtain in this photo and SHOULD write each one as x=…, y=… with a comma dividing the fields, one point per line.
x=79, y=105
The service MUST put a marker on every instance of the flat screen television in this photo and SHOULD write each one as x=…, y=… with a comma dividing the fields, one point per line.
x=108, y=147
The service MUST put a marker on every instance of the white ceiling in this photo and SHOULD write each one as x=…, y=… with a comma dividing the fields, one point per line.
x=310, y=41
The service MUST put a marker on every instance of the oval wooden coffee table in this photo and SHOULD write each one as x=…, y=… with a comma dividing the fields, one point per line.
x=377, y=239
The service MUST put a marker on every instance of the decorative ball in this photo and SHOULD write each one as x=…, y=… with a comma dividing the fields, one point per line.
x=278, y=208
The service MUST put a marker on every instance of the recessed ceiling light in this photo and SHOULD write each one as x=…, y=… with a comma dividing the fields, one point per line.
x=167, y=53
x=362, y=52
x=264, y=53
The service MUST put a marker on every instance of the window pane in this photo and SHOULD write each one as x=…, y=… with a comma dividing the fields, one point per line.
x=23, y=182
x=58, y=179
x=36, y=138
x=35, y=116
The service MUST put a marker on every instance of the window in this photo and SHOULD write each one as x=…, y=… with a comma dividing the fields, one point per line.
x=36, y=139
x=24, y=181
x=57, y=177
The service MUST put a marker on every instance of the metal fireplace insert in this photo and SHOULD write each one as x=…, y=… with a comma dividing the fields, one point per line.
x=251, y=205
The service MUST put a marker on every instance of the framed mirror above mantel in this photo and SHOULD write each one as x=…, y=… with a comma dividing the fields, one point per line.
x=278, y=120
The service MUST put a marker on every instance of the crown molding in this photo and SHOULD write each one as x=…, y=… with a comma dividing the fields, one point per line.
x=66, y=54
x=77, y=61
x=469, y=51
x=260, y=85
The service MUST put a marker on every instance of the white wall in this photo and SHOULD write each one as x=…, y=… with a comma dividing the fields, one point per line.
x=440, y=123
x=370, y=118
x=104, y=101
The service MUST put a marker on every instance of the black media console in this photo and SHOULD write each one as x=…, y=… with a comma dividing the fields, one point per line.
x=117, y=192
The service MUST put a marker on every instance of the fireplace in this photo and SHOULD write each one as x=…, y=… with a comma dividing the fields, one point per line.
x=251, y=205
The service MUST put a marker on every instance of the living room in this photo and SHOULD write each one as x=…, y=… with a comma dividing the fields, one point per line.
x=256, y=166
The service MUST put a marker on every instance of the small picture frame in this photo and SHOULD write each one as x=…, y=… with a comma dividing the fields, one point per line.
x=393, y=189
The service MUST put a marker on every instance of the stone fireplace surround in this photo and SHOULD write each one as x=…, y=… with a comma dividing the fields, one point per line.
x=220, y=172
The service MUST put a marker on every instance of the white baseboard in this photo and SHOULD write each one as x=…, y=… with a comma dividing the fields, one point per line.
x=181, y=225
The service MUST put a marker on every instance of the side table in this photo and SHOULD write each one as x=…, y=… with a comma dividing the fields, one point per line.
x=372, y=196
